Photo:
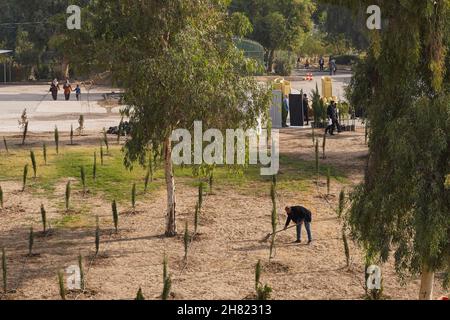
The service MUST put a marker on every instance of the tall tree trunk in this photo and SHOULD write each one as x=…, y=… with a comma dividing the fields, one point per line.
x=426, y=284
x=171, y=227
x=270, y=61
x=65, y=68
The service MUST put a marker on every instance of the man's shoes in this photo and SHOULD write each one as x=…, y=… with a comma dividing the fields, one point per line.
x=298, y=241
x=310, y=241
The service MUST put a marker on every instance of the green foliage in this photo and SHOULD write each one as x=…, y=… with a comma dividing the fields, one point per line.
x=328, y=180
x=24, y=132
x=94, y=167
x=167, y=282
x=277, y=25
x=146, y=180
x=186, y=240
x=71, y=135
x=97, y=235
x=24, y=177
x=56, y=134
x=258, y=270
x=33, y=163
x=284, y=63
x=317, y=160
x=133, y=196
x=83, y=179
x=1, y=197
x=403, y=87
x=62, y=289
x=119, y=134
x=6, y=145
x=30, y=242
x=196, y=218
x=102, y=155
x=341, y=205
x=318, y=106
x=105, y=140
x=4, y=271
x=274, y=216
x=346, y=247
x=200, y=195
x=324, y=145
x=115, y=215
x=43, y=218
x=44, y=153
x=67, y=195
x=139, y=295
x=263, y=292
x=82, y=278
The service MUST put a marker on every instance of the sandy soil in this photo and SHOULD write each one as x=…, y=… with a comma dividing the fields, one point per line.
x=222, y=258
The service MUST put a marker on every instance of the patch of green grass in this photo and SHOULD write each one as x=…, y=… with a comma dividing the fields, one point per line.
x=114, y=181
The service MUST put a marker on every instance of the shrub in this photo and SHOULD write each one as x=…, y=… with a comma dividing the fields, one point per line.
x=62, y=289
x=30, y=242
x=317, y=160
x=83, y=179
x=1, y=197
x=71, y=135
x=146, y=180
x=263, y=292
x=56, y=139
x=284, y=63
x=196, y=218
x=115, y=215
x=341, y=204
x=328, y=180
x=273, y=216
x=97, y=236
x=139, y=295
x=324, y=144
x=6, y=145
x=102, y=155
x=33, y=163
x=44, y=153
x=200, y=195
x=44, y=218
x=24, y=177
x=133, y=196
x=346, y=247
x=346, y=59
x=4, y=271
x=80, y=266
x=94, y=168
x=67, y=195
x=186, y=240
x=258, y=271
x=25, y=131
x=167, y=282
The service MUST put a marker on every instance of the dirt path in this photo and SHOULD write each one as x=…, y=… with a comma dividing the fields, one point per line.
x=222, y=259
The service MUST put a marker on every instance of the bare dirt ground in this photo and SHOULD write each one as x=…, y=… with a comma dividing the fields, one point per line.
x=222, y=258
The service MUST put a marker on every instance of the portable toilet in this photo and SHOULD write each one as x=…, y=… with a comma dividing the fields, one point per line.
x=327, y=87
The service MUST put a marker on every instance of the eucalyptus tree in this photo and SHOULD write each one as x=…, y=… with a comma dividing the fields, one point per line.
x=177, y=63
x=403, y=204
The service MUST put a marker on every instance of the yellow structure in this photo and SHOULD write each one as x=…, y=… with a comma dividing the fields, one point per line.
x=282, y=85
x=327, y=87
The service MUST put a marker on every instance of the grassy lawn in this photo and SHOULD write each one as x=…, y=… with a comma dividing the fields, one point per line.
x=114, y=181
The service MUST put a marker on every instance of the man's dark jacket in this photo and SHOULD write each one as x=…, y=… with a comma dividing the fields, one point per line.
x=298, y=214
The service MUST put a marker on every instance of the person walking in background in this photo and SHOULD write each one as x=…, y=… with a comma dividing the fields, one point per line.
x=54, y=88
x=78, y=92
x=331, y=113
x=67, y=90
x=321, y=63
x=300, y=215
x=306, y=108
x=285, y=111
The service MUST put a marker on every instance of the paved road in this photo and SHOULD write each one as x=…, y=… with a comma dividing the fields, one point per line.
x=44, y=113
